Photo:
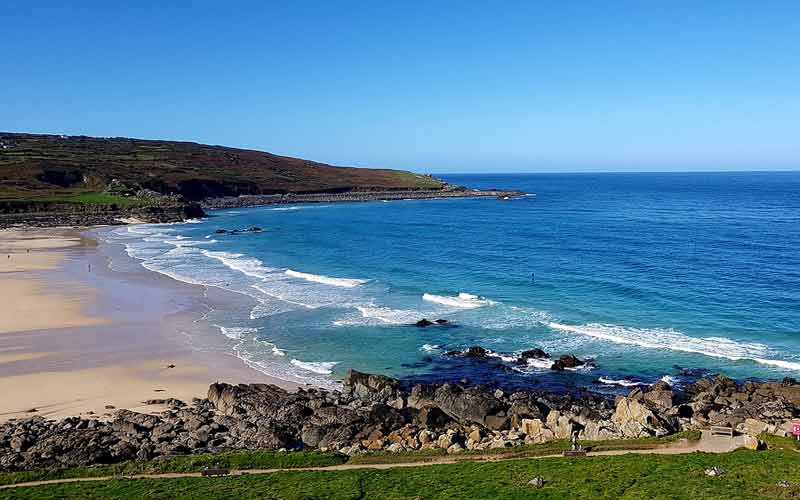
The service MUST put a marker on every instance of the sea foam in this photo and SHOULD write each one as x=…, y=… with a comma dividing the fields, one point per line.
x=236, y=333
x=621, y=382
x=461, y=301
x=662, y=338
x=326, y=280
x=321, y=367
x=238, y=262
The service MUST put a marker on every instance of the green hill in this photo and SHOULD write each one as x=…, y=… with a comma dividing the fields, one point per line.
x=57, y=168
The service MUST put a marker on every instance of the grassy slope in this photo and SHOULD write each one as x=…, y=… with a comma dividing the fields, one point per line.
x=190, y=463
x=750, y=475
x=167, y=166
x=254, y=459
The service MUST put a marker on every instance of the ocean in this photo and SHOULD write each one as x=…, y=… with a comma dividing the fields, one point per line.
x=652, y=275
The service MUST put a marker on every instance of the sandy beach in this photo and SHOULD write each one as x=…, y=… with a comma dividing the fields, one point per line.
x=79, y=339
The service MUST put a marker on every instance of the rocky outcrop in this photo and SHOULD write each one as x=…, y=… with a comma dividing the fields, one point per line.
x=368, y=387
x=635, y=417
x=570, y=362
x=374, y=412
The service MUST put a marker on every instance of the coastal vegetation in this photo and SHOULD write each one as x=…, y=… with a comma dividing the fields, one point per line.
x=55, y=167
x=243, y=460
x=746, y=474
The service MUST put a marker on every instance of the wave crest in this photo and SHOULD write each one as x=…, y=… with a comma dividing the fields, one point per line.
x=461, y=301
x=662, y=338
x=326, y=280
x=321, y=367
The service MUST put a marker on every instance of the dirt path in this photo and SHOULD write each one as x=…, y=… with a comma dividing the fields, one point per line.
x=707, y=444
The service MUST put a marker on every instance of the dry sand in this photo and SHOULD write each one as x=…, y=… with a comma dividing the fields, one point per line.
x=37, y=372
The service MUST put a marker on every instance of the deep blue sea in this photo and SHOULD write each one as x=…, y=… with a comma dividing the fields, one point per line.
x=649, y=274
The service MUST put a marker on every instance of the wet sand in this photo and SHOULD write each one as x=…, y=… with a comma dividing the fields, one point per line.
x=77, y=338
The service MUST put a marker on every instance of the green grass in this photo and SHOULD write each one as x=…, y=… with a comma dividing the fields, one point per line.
x=247, y=459
x=750, y=475
x=190, y=463
x=96, y=199
x=419, y=181
x=778, y=442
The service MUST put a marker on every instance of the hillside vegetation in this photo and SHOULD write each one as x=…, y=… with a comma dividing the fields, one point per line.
x=53, y=168
x=746, y=474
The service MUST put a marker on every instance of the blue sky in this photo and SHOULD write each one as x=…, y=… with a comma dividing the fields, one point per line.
x=433, y=86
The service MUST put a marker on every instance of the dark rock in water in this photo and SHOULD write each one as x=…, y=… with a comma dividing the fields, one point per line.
x=534, y=354
x=567, y=361
x=252, y=229
x=476, y=351
x=789, y=381
x=425, y=322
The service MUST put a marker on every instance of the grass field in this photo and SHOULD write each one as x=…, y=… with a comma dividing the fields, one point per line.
x=97, y=199
x=749, y=474
x=189, y=463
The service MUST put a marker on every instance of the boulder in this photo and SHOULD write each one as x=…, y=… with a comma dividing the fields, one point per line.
x=368, y=387
x=257, y=399
x=662, y=398
x=432, y=417
x=496, y=422
x=424, y=322
x=599, y=430
x=537, y=482
x=476, y=351
x=560, y=424
x=535, y=353
x=634, y=418
x=536, y=430
x=466, y=405
x=566, y=361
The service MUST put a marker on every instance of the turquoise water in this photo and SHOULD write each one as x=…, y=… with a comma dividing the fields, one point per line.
x=645, y=273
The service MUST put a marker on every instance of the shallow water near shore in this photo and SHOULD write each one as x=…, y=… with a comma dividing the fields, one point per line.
x=642, y=272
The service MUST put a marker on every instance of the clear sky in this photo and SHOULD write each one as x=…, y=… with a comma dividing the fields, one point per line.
x=431, y=86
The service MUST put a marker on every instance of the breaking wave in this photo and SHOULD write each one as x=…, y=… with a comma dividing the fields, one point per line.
x=236, y=333
x=661, y=338
x=238, y=262
x=462, y=300
x=622, y=382
x=320, y=367
x=326, y=280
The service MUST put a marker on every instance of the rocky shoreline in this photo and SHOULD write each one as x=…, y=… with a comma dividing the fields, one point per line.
x=84, y=216
x=282, y=199
x=98, y=216
x=375, y=412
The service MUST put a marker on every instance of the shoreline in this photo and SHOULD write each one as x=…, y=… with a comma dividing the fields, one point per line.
x=77, y=337
x=88, y=217
x=112, y=378
x=244, y=201
x=111, y=320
